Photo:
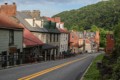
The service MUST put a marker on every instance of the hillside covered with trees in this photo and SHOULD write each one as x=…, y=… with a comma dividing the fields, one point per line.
x=104, y=14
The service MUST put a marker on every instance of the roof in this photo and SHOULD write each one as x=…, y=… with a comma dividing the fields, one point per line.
x=24, y=14
x=63, y=30
x=48, y=46
x=56, y=19
x=7, y=23
x=21, y=16
x=53, y=31
x=30, y=39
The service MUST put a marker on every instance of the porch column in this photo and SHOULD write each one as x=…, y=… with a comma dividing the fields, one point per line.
x=45, y=56
x=15, y=55
x=7, y=58
x=50, y=54
x=55, y=54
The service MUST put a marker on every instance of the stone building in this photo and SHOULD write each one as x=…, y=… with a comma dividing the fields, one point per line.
x=64, y=36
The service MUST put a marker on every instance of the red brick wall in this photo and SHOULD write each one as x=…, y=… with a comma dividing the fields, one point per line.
x=74, y=41
x=97, y=39
x=109, y=43
x=9, y=10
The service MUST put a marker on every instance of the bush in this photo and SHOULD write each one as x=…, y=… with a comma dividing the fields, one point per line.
x=116, y=70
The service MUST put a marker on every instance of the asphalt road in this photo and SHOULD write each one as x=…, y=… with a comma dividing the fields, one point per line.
x=65, y=69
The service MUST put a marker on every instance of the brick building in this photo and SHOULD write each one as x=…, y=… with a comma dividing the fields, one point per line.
x=109, y=43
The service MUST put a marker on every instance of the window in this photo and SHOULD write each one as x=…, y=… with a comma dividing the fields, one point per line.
x=72, y=36
x=50, y=37
x=111, y=36
x=66, y=37
x=11, y=37
x=54, y=37
x=57, y=37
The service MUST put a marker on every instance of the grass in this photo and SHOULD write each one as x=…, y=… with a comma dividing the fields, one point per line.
x=93, y=72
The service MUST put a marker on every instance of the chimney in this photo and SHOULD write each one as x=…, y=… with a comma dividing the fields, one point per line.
x=35, y=13
x=57, y=19
x=6, y=3
x=14, y=3
x=9, y=10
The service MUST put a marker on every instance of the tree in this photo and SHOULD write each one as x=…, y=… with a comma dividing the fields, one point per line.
x=117, y=35
x=94, y=28
x=103, y=33
x=104, y=14
x=75, y=28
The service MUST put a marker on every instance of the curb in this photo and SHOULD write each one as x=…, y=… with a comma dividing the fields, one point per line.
x=86, y=70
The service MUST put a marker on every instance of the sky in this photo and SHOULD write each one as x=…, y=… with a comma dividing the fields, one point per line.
x=49, y=7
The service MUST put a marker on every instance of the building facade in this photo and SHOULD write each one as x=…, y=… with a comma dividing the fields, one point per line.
x=64, y=37
x=11, y=39
x=74, y=42
x=92, y=40
x=109, y=43
x=44, y=30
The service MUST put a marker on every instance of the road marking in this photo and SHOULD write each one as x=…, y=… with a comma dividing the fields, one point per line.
x=29, y=77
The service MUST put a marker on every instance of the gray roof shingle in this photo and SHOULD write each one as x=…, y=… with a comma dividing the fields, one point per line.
x=21, y=17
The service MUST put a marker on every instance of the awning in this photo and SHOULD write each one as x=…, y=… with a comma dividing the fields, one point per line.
x=30, y=39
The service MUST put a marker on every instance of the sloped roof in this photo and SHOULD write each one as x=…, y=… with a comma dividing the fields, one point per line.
x=24, y=15
x=53, y=31
x=63, y=30
x=30, y=39
x=7, y=23
x=21, y=16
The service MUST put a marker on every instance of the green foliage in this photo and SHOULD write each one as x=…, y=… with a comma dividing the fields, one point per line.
x=112, y=62
x=93, y=72
x=94, y=28
x=76, y=28
x=117, y=35
x=103, y=33
x=116, y=70
x=104, y=14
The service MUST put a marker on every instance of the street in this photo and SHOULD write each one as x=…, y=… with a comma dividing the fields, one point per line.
x=64, y=69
